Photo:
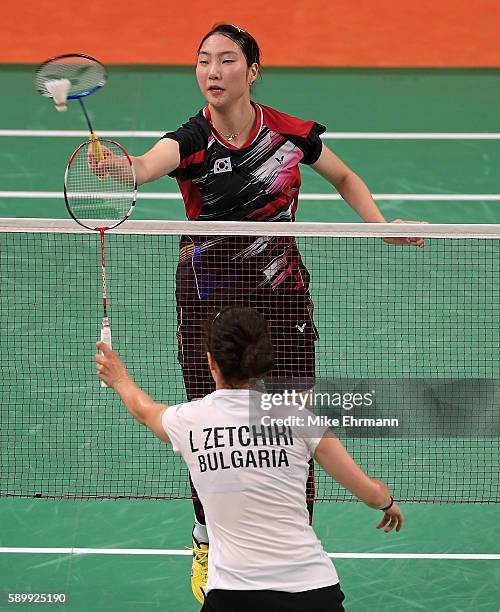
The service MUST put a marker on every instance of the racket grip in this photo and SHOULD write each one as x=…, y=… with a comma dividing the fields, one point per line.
x=105, y=337
x=97, y=151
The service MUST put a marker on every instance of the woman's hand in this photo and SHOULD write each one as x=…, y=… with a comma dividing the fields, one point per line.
x=100, y=160
x=411, y=241
x=393, y=518
x=110, y=368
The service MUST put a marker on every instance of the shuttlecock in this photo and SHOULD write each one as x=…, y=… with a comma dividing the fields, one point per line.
x=58, y=90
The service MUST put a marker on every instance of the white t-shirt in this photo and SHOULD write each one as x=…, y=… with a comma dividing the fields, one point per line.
x=251, y=481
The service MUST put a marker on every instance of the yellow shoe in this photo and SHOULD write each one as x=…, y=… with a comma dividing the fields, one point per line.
x=199, y=570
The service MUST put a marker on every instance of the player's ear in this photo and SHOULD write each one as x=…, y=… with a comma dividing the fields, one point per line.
x=253, y=73
x=213, y=365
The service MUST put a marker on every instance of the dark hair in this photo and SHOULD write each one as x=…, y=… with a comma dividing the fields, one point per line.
x=245, y=41
x=238, y=339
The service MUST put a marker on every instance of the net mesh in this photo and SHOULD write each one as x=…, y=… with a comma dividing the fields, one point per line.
x=93, y=195
x=426, y=318
x=84, y=73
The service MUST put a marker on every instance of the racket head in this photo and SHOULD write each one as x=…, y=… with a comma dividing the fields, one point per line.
x=97, y=198
x=85, y=73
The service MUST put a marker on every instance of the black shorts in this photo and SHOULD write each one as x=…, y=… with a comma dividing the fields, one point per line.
x=290, y=319
x=327, y=599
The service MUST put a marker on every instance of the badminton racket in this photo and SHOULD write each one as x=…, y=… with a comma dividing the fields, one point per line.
x=100, y=200
x=72, y=76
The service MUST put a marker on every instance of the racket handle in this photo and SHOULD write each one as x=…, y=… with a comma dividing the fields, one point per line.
x=106, y=338
x=97, y=151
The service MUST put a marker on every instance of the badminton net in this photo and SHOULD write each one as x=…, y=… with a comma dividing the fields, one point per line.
x=419, y=329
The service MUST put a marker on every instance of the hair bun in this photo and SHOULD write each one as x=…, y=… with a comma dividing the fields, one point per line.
x=256, y=359
x=238, y=339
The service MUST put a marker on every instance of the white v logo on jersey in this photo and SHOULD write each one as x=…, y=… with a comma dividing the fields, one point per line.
x=222, y=165
x=301, y=328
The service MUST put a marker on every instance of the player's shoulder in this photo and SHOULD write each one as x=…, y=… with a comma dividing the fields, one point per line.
x=283, y=123
x=192, y=136
x=197, y=124
x=197, y=404
x=195, y=127
x=185, y=410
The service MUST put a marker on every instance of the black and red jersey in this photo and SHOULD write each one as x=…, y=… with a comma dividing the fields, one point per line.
x=257, y=182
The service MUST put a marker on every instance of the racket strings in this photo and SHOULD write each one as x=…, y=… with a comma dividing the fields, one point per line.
x=95, y=192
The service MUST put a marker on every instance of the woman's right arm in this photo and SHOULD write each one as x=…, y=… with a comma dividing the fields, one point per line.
x=336, y=461
x=160, y=160
x=112, y=371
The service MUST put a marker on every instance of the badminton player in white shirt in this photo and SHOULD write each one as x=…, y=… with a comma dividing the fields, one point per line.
x=252, y=485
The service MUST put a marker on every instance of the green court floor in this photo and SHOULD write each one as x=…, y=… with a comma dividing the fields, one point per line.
x=161, y=582
x=160, y=99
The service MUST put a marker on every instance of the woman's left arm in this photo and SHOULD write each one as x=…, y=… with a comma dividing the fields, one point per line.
x=355, y=192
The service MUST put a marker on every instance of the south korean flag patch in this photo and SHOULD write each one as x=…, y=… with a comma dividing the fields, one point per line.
x=222, y=165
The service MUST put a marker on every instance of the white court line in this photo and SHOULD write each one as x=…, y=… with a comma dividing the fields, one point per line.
x=175, y=552
x=325, y=136
x=387, y=197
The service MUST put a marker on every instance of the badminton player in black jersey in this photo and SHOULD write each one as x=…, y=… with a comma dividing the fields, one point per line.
x=239, y=160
